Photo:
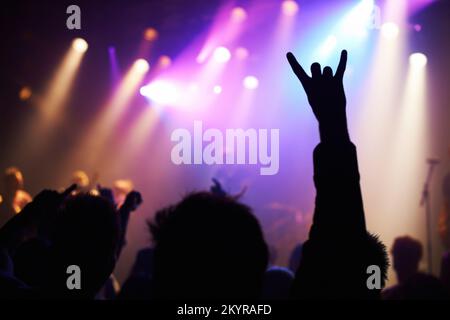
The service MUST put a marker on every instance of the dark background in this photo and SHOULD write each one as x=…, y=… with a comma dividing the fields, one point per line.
x=34, y=37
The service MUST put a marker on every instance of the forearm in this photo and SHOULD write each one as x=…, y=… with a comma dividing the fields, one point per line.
x=334, y=130
x=339, y=207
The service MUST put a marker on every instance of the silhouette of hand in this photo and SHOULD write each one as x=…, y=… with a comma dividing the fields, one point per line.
x=132, y=201
x=38, y=212
x=46, y=202
x=217, y=188
x=326, y=95
x=107, y=194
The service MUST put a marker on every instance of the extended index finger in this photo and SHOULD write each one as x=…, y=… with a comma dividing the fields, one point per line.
x=342, y=65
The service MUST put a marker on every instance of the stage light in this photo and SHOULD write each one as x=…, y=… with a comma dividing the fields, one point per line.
x=221, y=55
x=411, y=124
x=193, y=87
x=141, y=65
x=418, y=60
x=137, y=137
x=123, y=94
x=241, y=53
x=103, y=127
x=389, y=30
x=25, y=93
x=418, y=27
x=144, y=91
x=289, y=7
x=328, y=45
x=238, y=14
x=217, y=89
x=80, y=45
x=114, y=65
x=53, y=100
x=150, y=34
x=164, y=61
x=160, y=91
x=250, y=82
x=367, y=3
x=358, y=20
x=62, y=81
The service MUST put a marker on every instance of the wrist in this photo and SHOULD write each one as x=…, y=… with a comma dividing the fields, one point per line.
x=334, y=131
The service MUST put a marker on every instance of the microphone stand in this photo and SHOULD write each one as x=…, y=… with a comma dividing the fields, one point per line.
x=426, y=201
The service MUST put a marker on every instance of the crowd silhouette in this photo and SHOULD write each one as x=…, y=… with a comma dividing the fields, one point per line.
x=209, y=245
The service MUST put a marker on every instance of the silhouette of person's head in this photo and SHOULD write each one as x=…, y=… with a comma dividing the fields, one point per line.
x=407, y=253
x=86, y=235
x=277, y=283
x=208, y=246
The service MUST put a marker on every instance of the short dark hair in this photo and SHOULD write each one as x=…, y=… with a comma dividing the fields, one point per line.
x=407, y=249
x=208, y=246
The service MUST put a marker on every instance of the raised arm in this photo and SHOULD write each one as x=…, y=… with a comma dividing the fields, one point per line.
x=339, y=249
x=34, y=219
x=335, y=164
